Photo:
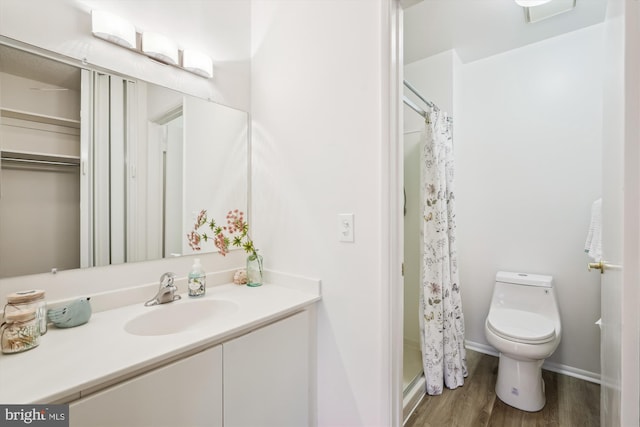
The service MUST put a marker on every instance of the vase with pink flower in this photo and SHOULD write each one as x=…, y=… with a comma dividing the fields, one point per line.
x=238, y=228
x=235, y=233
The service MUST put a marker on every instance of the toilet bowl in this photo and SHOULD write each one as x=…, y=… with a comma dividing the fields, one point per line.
x=523, y=324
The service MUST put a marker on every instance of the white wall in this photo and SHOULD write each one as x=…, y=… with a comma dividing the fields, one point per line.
x=527, y=131
x=317, y=141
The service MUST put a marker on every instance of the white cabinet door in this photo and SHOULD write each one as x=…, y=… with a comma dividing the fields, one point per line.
x=185, y=393
x=267, y=376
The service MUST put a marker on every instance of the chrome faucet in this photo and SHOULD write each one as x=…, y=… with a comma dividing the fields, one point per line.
x=166, y=292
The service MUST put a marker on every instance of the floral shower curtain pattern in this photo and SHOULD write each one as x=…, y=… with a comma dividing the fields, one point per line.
x=441, y=318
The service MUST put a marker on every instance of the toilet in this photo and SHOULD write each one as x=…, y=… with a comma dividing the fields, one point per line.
x=523, y=324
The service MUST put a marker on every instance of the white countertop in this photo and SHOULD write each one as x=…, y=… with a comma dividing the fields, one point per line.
x=70, y=361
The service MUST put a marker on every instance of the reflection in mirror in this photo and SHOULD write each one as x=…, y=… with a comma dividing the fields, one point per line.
x=172, y=130
x=40, y=175
x=120, y=182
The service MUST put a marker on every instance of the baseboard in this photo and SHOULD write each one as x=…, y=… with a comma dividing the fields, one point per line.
x=481, y=348
x=572, y=372
x=549, y=366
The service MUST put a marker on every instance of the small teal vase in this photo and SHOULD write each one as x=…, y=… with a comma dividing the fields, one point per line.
x=254, y=270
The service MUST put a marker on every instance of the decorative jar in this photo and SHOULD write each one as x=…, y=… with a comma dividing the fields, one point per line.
x=19, y=332
x=31, y=300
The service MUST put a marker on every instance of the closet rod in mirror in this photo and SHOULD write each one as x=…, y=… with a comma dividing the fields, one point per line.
x=40, y=162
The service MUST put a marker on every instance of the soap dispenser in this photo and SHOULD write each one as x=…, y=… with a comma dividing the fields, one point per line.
x=197, y=280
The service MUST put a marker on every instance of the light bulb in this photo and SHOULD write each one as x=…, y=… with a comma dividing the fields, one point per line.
x=112, y=28
x=160, y=47
x=531, y=3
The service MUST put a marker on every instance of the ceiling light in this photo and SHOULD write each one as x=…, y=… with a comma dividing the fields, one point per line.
x=197, y=63
x=531, y=3
x=160, y=47
x=112, y=28
x=556, y=7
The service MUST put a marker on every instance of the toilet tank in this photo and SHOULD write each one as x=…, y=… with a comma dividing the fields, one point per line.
x=523, y=291
x=524, y=279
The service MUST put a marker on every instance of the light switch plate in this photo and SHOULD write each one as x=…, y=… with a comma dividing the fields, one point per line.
x=345, y=227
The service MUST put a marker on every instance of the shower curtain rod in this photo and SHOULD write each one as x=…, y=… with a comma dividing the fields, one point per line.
x=415, y=91
x=414, y=107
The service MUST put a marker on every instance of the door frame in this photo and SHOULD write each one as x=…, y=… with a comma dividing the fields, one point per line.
x=630, y=339
x=392, y=219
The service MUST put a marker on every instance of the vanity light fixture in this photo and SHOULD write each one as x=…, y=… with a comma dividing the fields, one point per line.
x=160, y=47
x=197, y=62
x=112, y=28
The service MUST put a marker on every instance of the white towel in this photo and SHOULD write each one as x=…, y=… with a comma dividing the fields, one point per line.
x=593, y=245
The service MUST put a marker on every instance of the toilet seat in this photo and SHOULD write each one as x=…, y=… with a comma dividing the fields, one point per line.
x=521, y=326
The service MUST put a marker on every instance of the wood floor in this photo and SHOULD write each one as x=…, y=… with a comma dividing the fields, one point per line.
x=570, y=402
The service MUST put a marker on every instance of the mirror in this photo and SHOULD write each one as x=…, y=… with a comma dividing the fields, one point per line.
x=100, y=169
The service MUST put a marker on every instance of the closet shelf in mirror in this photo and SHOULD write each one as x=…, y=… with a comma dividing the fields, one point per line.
x=40, y=118
x=39, y=158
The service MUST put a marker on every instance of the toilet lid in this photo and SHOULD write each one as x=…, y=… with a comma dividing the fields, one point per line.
x=521, y=326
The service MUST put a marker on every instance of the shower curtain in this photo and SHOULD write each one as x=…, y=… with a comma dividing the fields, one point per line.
x=441, y=319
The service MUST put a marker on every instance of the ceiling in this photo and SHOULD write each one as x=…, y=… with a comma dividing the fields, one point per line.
x=480, y=28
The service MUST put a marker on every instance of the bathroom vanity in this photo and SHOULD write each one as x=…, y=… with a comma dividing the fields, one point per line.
x=238, y=356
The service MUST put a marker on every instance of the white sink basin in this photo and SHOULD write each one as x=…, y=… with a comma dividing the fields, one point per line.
x=179, y=316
